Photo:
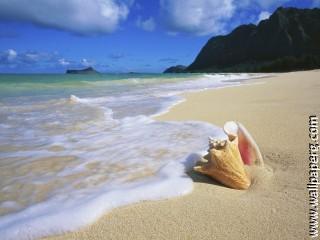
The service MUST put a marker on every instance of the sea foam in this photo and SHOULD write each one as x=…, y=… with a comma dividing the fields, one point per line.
x=80, y=151
x=56, y=216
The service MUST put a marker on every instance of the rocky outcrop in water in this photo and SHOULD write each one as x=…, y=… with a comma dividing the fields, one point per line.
x=89, y=70
x=175, y=69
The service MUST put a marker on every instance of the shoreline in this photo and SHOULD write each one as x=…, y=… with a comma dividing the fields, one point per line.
x=181, y=97
x=196, y=137
x=274, y=207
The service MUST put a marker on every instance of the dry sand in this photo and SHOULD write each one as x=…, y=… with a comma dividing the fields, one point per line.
x=275, y=207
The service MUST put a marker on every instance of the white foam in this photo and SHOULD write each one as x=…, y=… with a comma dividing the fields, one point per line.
x=55, y=216
x=167, y=106
x=63, y=213
x=129, y=144
x=75, y=99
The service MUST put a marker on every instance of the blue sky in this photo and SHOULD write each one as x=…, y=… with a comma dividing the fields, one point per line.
x=118, y=36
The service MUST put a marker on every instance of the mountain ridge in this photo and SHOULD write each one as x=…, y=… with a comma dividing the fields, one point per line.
x=289, y=40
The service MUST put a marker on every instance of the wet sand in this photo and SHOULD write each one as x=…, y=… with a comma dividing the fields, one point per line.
x=275, y=111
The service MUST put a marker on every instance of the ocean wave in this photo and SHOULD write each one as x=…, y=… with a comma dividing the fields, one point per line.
x=75, y=99
x=85, y=152
x=135, y=143
x=56, y=216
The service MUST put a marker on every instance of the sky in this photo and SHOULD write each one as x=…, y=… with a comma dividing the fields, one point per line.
x=50, y=36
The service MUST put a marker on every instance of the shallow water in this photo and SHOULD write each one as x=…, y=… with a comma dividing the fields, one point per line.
x=75, y=146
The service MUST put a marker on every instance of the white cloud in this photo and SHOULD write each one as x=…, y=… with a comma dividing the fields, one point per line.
x=147, y=25
x=63, y=62
x=87, y=63
x=263, y=15
x=78, y=16
x=33, y=60
x=200, y=17
x=263, y=4
x=11, y=54
x=12, y=57
x=32, y=57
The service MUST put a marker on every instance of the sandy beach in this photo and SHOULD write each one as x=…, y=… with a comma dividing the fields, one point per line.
x=275, y=110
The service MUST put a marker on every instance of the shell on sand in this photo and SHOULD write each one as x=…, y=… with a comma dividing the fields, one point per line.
x=225, y=161
x=249, y=150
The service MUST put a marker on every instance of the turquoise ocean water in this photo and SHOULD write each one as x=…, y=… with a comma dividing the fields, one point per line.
x=73, y=147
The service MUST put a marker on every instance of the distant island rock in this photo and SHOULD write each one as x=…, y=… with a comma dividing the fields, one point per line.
x=176, y=69
x=289, y=40
x=89, y=70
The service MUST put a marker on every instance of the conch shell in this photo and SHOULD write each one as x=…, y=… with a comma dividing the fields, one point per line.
x=249, y=150
x=225, y=161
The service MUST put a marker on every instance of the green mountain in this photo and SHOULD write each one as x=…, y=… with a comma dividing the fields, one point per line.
x=289, y=40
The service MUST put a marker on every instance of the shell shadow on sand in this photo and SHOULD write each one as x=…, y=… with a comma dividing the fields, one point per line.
x=189, y=163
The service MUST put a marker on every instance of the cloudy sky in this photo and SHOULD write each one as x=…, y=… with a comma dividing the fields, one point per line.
x=118, y=35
